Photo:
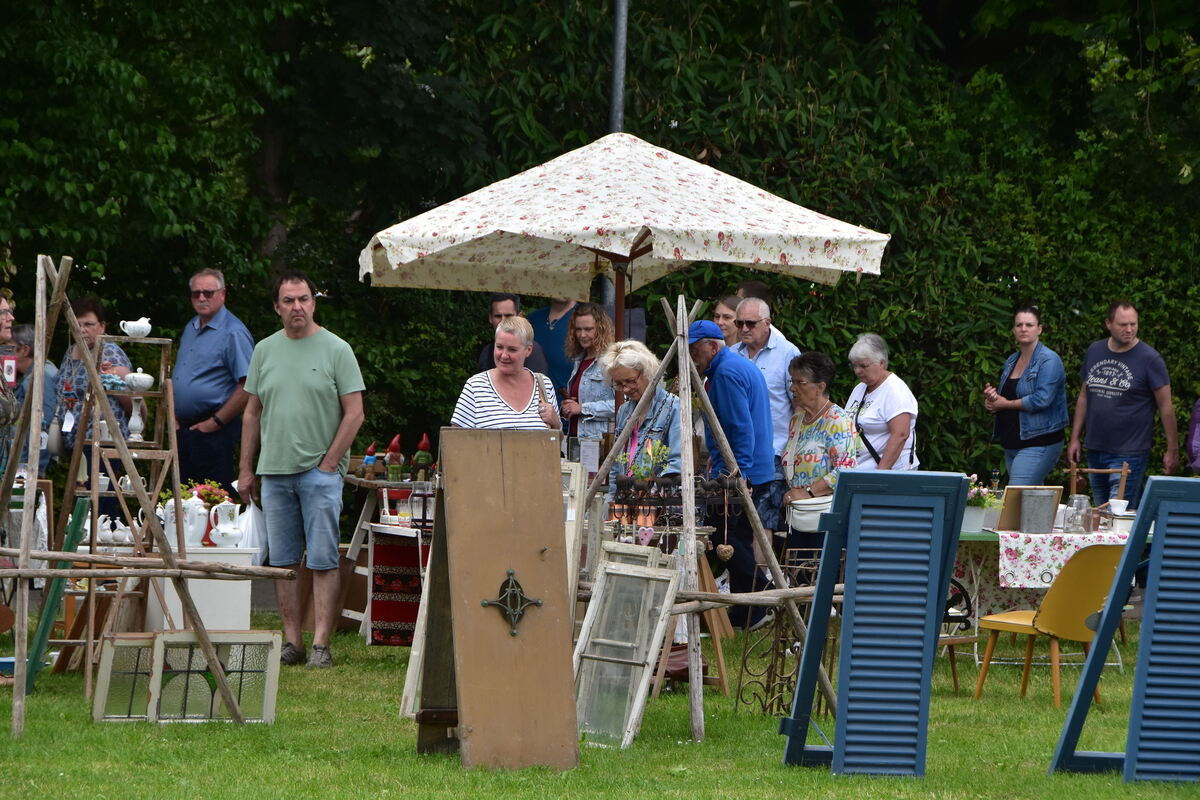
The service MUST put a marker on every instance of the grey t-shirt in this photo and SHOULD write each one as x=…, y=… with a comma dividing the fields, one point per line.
x=1120, y=397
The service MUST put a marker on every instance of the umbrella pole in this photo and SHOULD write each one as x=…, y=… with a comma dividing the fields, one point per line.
x=619, y=304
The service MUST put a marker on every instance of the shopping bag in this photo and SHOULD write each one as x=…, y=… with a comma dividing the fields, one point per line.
x=253, y=523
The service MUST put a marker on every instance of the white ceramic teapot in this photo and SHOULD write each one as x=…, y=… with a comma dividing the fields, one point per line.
x=138, y=328
x=224, y=520
x=195, y=520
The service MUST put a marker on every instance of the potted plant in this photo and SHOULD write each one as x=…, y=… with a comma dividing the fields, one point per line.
x=979, y=500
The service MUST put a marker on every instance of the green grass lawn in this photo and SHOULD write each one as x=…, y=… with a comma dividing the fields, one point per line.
x=338, y=734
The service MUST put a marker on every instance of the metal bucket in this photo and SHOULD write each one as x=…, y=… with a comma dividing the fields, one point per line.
x=1038, y=508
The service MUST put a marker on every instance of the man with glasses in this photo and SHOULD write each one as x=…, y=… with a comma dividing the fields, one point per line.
x=771, y=352
x=214, y=357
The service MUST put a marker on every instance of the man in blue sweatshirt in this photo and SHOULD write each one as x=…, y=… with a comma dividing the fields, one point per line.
x=740, y=398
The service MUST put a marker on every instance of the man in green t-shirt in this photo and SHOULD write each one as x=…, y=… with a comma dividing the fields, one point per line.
x=305, y=407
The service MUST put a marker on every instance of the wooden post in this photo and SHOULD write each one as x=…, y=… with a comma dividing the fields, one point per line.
x=29, y=506
x=688, y=484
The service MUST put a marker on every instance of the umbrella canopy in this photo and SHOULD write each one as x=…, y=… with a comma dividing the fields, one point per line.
x=550, y=230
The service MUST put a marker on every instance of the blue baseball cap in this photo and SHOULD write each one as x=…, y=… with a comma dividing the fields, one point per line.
x=704, y=329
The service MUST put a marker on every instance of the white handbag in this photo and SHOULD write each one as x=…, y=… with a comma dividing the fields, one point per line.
x=805, y=515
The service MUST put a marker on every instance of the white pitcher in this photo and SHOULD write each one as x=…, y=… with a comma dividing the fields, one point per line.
x=224, y=520
x=195, y=520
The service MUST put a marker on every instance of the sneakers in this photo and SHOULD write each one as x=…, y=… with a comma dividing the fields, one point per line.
x=290, y=655
x=320, y=658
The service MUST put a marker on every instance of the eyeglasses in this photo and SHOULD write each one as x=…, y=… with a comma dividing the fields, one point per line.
x=627, y=384
x=7, y=312
x=207, y=294
x=748, y=323
x=798, y=382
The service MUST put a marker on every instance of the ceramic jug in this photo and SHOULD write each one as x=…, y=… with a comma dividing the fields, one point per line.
x=104, y=533
x=137, y=328
x=224, y=520
x=195, y=520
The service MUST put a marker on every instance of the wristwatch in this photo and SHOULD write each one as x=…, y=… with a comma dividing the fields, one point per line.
x=810, y=491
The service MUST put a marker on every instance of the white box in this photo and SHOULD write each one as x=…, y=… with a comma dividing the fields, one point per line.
x=223, y=605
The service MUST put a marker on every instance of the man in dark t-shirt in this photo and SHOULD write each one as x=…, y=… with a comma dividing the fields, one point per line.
x=503, y=306
x=1124, y=381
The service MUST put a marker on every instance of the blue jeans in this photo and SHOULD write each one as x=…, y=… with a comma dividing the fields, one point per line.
x=302, y=513
x=1028, y=466
x=1105, y=486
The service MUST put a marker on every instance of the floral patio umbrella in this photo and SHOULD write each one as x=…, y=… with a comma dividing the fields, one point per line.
x=617, y=202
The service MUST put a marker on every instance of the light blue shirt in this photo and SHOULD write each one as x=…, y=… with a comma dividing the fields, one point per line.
x=211, y=362
x=772, y=361
x=49, y=403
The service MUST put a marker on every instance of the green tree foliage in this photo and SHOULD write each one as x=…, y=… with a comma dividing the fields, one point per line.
x=1015, y=154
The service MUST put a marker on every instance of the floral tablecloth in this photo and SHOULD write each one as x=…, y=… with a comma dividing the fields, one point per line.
x=977, y=568
x=1033, y=560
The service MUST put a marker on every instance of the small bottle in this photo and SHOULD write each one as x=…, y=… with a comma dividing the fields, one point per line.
x=995, y=487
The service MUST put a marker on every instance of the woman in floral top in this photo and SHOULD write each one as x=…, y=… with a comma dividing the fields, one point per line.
x=820, y=439
x=72, y=375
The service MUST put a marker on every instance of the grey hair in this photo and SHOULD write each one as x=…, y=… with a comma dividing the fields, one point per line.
x=517, y=326
x=216, y=273
x=869, y=347
x=630, y=354
x=22, y=336
x=763, y=306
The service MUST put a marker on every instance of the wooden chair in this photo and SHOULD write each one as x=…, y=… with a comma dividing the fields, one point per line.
x=1075, y=471
x=1078, y=591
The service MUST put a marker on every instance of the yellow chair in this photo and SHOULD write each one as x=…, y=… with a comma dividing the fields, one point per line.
x=1077, y=592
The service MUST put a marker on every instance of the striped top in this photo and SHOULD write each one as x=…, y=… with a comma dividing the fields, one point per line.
x=481, y=406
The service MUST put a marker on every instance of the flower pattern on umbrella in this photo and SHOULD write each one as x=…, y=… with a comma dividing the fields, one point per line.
x=550, y=230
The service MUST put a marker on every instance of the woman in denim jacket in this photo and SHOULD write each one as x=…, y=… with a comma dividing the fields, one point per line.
x=630, y=365
x=1030, y=404
x=589, y=403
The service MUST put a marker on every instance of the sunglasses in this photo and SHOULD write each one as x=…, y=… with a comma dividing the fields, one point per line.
x=207, y=294
x=746, y=323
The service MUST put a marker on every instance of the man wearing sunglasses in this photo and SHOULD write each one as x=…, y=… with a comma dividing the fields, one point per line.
x=214, y=357
x=771, y=352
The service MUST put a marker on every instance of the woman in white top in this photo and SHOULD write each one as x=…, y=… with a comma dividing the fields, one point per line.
x=883, y=409
x=508, y=396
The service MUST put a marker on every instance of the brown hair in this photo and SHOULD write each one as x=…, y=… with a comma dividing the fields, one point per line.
x=604, y=330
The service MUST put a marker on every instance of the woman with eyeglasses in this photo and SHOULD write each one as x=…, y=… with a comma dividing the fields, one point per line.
x=882, y=408
x=72, y=374
x=589, y=403
x=509, y=395
x=1030, y=403
x=7, y=317
x=629, y=365
x=821, y=439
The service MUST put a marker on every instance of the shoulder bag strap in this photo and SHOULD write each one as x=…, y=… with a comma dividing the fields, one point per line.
x=863, y=436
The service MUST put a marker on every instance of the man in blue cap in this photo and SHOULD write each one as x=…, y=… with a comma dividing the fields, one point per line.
x=739, y=396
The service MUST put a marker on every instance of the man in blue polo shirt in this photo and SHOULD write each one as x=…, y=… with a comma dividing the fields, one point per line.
x=214, y=357
x=739, y=397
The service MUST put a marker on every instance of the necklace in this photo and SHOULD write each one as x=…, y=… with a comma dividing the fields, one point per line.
x=820, y=413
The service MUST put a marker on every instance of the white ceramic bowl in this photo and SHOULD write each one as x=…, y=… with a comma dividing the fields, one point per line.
x=139, y=381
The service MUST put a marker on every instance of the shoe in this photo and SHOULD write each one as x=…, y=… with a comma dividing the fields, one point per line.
x=290, y=655
x=765, y=619
x=320, y=658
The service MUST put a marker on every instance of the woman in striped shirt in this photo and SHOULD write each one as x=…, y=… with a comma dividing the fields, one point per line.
x=508, y=396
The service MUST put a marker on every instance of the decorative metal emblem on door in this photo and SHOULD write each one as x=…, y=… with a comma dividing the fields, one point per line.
x=512, y=601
